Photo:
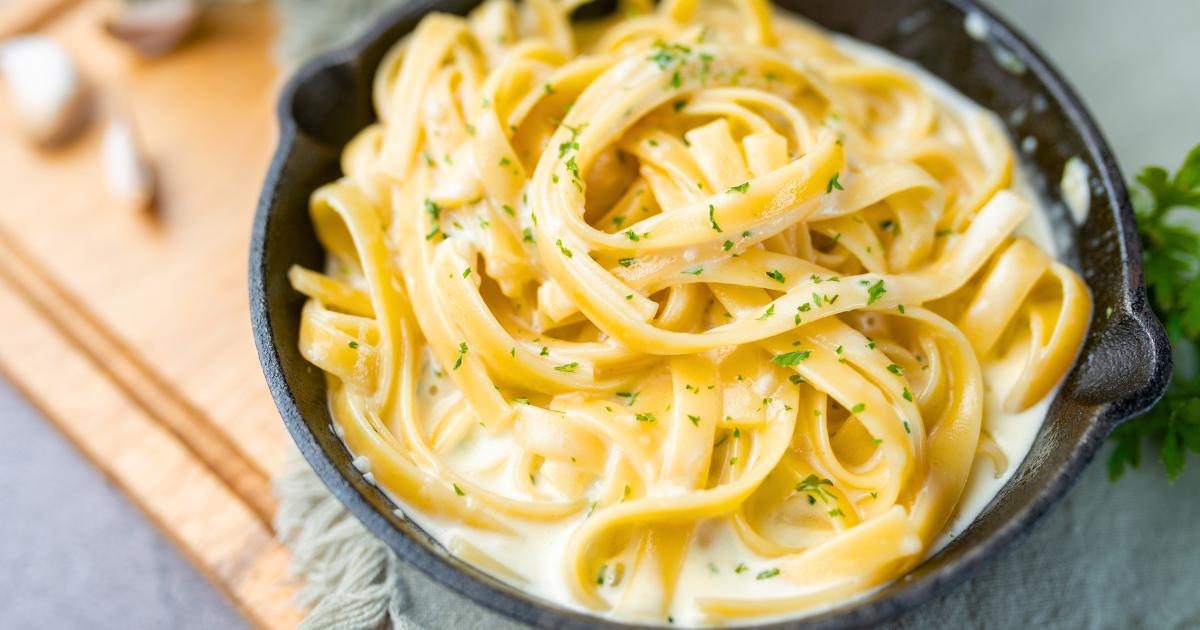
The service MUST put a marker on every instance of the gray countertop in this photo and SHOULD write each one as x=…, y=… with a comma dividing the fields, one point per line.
x=76, y=553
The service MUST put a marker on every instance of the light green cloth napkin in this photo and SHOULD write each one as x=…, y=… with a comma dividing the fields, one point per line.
x=1108, y=556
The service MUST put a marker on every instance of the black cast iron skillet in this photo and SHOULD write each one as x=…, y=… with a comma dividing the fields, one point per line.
x=1122, y=369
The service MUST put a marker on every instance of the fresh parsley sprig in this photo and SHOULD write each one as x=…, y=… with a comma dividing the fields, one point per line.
x=1169, y=225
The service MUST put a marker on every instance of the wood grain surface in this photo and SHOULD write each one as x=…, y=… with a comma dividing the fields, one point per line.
x=130, y=331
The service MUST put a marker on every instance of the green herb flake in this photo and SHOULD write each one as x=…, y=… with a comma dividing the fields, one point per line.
x=816, y=488
x=713, y=221
x=789, y=359
x=742, y=187
x=433, y=209
x=833, y=183
x=767, y=574
x=875, y=291
x=462, y=350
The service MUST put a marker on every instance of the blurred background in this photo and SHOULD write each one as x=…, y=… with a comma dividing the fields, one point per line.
x=76, y=552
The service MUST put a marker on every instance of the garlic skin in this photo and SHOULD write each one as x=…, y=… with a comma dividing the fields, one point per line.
x=48, y=95
x=127, y=173
x=154, y=27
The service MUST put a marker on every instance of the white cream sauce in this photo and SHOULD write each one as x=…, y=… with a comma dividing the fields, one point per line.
x=1075, y=190
x=531, y=559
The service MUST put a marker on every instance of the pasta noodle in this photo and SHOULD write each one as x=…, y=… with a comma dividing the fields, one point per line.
x=693, y=281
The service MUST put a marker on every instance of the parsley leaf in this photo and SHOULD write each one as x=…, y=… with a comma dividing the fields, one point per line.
x=1166, y=208
x=789, y=359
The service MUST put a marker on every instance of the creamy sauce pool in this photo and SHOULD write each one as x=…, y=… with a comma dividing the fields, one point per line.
x=718, y=563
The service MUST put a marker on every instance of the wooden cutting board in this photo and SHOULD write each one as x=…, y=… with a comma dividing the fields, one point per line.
x=131, y=332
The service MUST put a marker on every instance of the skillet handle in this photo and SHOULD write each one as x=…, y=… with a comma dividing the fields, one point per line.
x=1128, y=366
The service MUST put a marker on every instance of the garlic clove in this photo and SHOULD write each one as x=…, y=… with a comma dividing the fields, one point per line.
x=49, y=97
x=154, y=27
x=127, y=173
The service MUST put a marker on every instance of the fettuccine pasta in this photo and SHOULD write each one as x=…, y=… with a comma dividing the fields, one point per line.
x=690, y=314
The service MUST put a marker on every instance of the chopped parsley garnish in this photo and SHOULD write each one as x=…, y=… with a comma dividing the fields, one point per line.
x=458, y=491
x=768, y=574
x=466, y=272
x=777, y=276
x=875, y=291
x=645, y=417
x=896, y=369
x=769, y=312
x=789, y=359
x=568, y=367
x=625, y=262
x=353, y=345
x=565, y=252
x=741, y=568
x=633, y=236
x=632, y=396
x=814, y=487
x=834, y=183
x=727, y=245
x=907, y=395
x=695, y=419
x=462, y=350
x=509, y=210
x=433, y=209
x=742, y=187
x=712, y=219
x=667, y=54
x=573, y=143
x=695, y=272
x=859, y=408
